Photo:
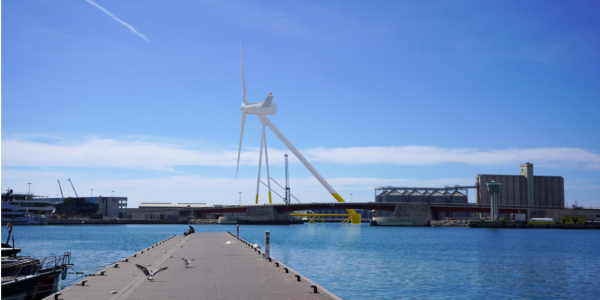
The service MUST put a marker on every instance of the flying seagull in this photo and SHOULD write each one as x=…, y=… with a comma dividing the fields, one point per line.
x=227, y=243
x=187, y=261
x=150, y=274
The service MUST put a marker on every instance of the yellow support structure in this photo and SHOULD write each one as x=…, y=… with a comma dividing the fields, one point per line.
x=312, y=217
x=355, y=216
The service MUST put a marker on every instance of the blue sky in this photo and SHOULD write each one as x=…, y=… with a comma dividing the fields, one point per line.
x=381, y=93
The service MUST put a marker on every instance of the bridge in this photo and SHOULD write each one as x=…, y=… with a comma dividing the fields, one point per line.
x=377, y=206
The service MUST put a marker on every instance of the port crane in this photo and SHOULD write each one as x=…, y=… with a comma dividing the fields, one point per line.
x=73, y=188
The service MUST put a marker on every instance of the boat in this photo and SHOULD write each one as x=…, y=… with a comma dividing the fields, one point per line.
x=25, y=209
x=26, y=277
x=16, y=288
x=48, y=269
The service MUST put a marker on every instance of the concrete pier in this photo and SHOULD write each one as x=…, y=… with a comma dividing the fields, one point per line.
x=219, y=271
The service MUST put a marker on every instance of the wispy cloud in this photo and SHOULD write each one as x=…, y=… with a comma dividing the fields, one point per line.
x=117, y=19
x=425, y=155
x=164, y=155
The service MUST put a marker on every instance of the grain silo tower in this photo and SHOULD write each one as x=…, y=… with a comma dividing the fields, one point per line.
x=458, y=197
x=381, y=196
x=437, y=197
x=393, y=196
x=416, y=196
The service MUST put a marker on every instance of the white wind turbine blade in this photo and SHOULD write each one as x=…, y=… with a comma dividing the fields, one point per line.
x=243, y=78
x=241, y=138
x=262, y=137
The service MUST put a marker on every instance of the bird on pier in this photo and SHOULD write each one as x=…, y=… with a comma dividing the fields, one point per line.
x=150, y=274
x=187, y=261
x=257, y=246
x=227, y=243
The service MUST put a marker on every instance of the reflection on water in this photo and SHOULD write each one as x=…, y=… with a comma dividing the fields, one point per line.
x=363, y=262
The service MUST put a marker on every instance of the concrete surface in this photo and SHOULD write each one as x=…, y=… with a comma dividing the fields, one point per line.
x=234, y=271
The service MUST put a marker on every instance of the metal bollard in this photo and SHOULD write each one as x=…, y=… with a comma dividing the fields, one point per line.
x=237, y=231
x=267, y=244
x=83, y=283
x=277, y=264
x=102, y=273
x=314, y=289
x=297, y=277
x=56, y=296
x=286, y=270
x=116, y=265
x=135, y=255
x=127, y=260
x=270, y=260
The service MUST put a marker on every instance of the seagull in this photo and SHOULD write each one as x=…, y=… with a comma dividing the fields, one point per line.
x=257, y=246
x=150, y=274
x=187, y=261
x=227, y=243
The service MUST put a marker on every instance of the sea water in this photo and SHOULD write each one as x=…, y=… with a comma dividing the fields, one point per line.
x=365, y=262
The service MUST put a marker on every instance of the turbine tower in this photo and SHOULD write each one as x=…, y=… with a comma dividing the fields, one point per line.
x=262, y=110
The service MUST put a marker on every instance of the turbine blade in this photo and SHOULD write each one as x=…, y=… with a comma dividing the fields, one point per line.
x=241, y=138
x=243, y=78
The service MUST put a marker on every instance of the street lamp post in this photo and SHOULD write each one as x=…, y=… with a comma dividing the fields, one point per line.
x=240, y=198
x=29, y=189
x=91, y=192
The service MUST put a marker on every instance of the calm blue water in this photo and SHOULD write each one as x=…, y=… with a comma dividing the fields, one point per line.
x=363, y=262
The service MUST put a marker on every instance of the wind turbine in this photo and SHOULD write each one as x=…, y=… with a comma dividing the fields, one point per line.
x=262, y=110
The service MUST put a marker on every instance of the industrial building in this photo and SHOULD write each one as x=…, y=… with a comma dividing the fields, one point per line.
x=162, y=210
x=423, y=195
x=524, y=190
x=111, y=207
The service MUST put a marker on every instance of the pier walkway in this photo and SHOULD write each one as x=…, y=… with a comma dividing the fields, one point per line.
x=232, y=271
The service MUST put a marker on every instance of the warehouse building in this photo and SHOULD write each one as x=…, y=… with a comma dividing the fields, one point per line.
x=524, y=190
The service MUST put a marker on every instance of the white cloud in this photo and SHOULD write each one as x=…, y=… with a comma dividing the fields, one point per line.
x=142, y=153
x=425, y=155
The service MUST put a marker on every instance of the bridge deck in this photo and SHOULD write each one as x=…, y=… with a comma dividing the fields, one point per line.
x=218, y=271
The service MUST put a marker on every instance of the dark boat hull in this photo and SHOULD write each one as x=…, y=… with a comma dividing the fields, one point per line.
x=18, y=289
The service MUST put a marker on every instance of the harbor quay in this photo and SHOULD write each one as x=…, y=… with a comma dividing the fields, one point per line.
x=221, y=266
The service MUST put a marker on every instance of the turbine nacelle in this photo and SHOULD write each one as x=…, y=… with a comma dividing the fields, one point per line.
x=257, y=108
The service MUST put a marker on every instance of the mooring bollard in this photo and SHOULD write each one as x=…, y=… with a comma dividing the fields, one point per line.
x=297, y=277
x=277, y=264
x=83, y=283
x=314, y=289
x=102, y=273
x=286, y=270
x=237, y=231
x=267, y=244
x=56, y=296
